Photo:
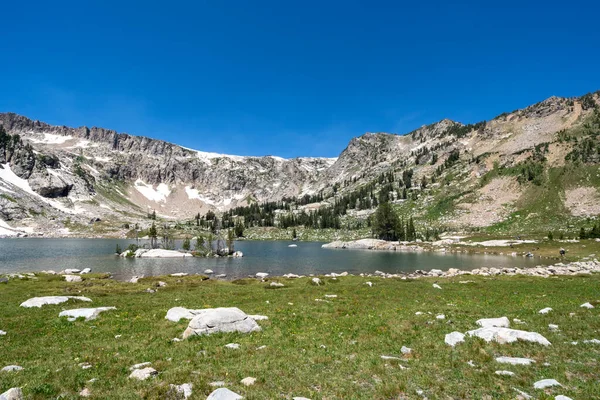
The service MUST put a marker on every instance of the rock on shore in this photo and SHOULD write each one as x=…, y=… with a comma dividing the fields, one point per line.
x=372, y=244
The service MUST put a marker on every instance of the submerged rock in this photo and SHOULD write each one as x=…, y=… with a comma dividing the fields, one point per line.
x=41, y=301
x=213, y=320
x=87, y=313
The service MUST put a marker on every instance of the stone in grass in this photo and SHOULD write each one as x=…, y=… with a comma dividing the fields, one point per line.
x=12, y=368
x=454, y=338
x=441, y=316
x=515, y=360
x=140, y=365
x=553, y=327
x=505, y=373
x=369, y=284
x=506, y=335
x=405, y=350
x=85, y=392
x=316, y=281
x=143, y=374
x=213, y=320
x=87, y=313
x=276, y=284
x=545, y=383
x=12, y=394
x=300, y=398
x=436, y=286
x=72, y=278
x=42, y=301
x=217, y=384
x=501, y=322
x=561, y=397
x=223, y=394
x=586, y=305
x=522, y=394
x=184, y=389
x=545, y=310
x=2, y=333
x=233, y=346
x=248, y=381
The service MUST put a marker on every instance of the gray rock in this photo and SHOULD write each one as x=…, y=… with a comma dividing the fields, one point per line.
x=2, y=333
x=545, y=383
x=213, y=320
x=505, y=373
x=12, y=368
x=545, y=310
x=502, y=322
x=87, y=313
x=248, y=381
x=223, y=394
x=261, y=275
x=454, y=338
x=184, y=390
x=12, y=394
x=41, y=301
x=515, y=360
x=143, y=374
x=72, y=278
x=506, y=335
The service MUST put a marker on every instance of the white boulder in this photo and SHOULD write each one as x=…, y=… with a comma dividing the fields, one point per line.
x=87, y=313
x=454, y=338
x=544, y=383
x=225, y=319
x=2, y=333
x=586, y=305
x=12, y=394
x=85, y=271
x=143, y=374
x=209, y=271
x=515, y=360
x=261, y=275
x=561, y=397
x=184, y=389
x=162, y=253
x=223, y=394
x=233, y=346
x=248, y=381
x=436, y=286
x=507, y=335
x=72, y=278
x=501, y=322
x=505, y=373
x=41, y=301
x=545, y=310
x=12, y=368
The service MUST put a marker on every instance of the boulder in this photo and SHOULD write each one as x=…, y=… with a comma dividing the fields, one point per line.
x=41, y=301
x=233, y=346
x=506, y=335
x=515, y=360
x=545, y=310
x=436, y=286
x=12, y=394
x=561, y=397
x=72, y=278
x=237, y=254
x=501, y=322
x=49, y=185
x=208, y=271
x=87, y=313
x=12, y=368
x=143, y=374
x=184, y=390
x=545, y=383
x=276, y=284
x=2, y=333
x=86, y=271
x=586, y=305
x=505, y=373
x=261, y=275
x=213, y=320
x=162, y=253
x=248, y=381
x=71, y=271
x=223, y=394
x=454, y=338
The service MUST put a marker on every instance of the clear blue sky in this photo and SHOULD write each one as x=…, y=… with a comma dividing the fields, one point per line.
x=289, y=78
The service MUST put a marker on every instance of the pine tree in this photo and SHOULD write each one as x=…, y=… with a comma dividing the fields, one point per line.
x=230, y=242
x=186, y=244
x=153, y=234
x=385, y=222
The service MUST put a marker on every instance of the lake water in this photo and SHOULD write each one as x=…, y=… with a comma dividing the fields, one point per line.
x=273, y=257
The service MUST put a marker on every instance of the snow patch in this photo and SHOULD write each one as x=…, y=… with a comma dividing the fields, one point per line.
x=50, y=138
x=157, y=195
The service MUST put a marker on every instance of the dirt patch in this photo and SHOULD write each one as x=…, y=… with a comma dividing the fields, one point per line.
x=491, y=205
x=583, y=201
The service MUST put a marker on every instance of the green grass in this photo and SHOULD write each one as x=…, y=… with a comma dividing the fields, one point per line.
x=314, y=349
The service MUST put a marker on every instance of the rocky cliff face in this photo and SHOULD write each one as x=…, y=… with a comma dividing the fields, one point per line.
x=56, y=172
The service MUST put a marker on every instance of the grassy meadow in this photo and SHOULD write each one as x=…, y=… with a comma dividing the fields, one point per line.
x=316, y=349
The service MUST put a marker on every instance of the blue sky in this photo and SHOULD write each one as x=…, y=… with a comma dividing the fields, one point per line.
x=289, y=78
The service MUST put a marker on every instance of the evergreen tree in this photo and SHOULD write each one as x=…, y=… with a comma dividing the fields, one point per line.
x=239, y=229
x=153, y=234
x=230, y=242
x=294, y=234
x=550, y=236
x=186, y=244
x=385, y=222
x=199, y=243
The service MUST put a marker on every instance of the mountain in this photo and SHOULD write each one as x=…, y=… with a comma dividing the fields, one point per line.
x=56, y=180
